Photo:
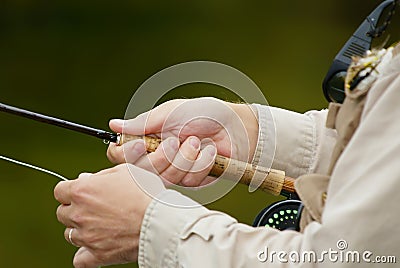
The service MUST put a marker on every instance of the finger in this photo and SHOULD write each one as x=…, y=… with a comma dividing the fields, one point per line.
x=148, y=122
x=201, y=167
x=84, y=175
x=115, y=153
x=64, y=216
x=133, y=150
x=127, y=153
x=208, y=180
x=107, y=171
x=70, y=234
x=183, y=160
x=162, y=158
x=62, y=192
x=117, y=125
x=85, y=259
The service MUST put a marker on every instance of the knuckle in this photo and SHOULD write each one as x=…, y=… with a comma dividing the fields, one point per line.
x=159, y=158
x=77, y=218
x=173, y=177
x=112, y=155
x=188, y=153
x=87, y=238
x=57, y=191
x=170, y=145
x=59, y=212
x=119, y=168
x=100, y=256
x=78, y=192
x=191, y=180
x=207, y=181
x=150, y=164
x=183, y=164
x=78, y=263
x=168, y=178
x=60, y=217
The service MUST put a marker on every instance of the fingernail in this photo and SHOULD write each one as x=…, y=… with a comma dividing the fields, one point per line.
x=117, y=121
x=186, y=181
x=212, y=150
x=139, y=147
x=84, y=174
x=173, y=142
x=195, y=142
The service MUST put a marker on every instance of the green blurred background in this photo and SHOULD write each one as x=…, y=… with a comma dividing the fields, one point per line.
x=83, y=60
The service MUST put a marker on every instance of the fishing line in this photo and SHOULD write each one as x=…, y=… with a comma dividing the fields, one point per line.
x=33, y=167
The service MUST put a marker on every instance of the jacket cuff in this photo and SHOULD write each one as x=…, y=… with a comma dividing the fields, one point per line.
x=163, y=226
x=288, y=140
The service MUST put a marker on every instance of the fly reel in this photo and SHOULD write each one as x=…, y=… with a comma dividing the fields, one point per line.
x=281, y=215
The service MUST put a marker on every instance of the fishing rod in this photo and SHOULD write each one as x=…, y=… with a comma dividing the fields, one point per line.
x=98, y=133
x=274, y=181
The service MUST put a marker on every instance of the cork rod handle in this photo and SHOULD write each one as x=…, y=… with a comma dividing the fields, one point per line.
x=273, y=181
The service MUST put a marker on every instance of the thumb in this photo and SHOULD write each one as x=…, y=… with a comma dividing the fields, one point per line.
x=117, y=125
x=85, y=259
x=146, y=123
x=84, y=175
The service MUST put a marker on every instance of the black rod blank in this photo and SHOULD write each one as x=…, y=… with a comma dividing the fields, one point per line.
x=99, y=133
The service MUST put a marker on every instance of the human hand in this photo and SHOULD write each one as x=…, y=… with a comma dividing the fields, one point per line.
x=105, y=210
x=193, y=132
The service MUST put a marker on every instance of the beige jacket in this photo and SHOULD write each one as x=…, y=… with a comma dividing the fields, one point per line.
x=360, y=223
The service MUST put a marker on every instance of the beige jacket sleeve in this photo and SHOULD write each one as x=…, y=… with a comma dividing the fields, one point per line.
x=296, y=143
x=360, y=218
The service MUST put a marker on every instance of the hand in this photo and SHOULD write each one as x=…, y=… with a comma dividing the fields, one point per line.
x=106, y=210
x=193, y=132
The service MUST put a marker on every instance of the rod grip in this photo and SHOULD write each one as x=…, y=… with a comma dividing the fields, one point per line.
x=273, y=181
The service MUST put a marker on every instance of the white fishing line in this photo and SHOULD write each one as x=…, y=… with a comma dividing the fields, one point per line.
x=33, y=167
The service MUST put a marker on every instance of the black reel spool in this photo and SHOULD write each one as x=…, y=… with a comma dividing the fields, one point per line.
x=281, y=215
x=357, y=45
